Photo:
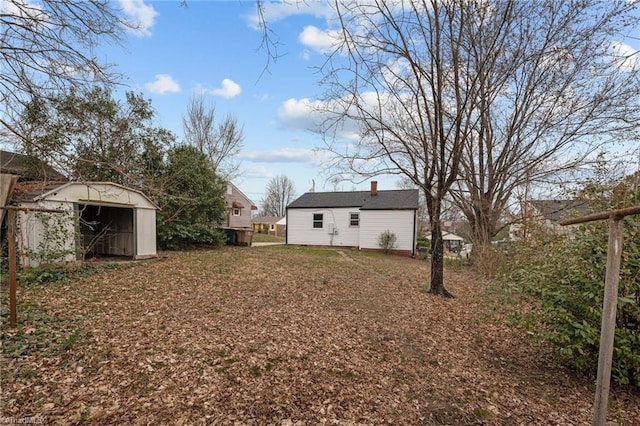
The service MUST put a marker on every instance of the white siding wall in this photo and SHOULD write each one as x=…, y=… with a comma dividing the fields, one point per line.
x=300, y=227
x=375, y=222
x=145, y=233
x=32, y=238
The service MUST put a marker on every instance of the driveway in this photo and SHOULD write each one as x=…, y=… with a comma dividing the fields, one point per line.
x=279, y=243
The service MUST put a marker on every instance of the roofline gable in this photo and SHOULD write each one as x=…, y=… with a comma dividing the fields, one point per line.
x=235, y=188
x=67, y=184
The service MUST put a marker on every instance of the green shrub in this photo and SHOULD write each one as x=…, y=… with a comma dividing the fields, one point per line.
x=193, y=206
x=567, y=277
x=423, y=242
x=387, y=241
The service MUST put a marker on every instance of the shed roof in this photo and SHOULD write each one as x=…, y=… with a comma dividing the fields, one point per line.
x=401, y=199
x=36, y=191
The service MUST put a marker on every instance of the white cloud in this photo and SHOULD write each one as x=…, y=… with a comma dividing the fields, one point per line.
x=258, y=172
x=230, y=89
x=277, y=11
x=301, y=114
x=284, y=155
x=317, y=39
x=23, y=9
x=625, y=56
x=316, y=116
x=305, y=55
x=164, y=83
x=141, y=16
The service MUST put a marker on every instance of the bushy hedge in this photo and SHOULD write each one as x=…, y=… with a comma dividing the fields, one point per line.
x=193, y=205
x=567, y=277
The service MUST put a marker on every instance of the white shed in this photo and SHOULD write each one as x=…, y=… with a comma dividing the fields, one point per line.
x=99, y=219
x=354, y=219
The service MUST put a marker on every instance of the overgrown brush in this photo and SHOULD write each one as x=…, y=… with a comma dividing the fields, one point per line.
x=567, y=276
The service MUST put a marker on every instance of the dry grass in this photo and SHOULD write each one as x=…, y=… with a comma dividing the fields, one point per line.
x=279, y=335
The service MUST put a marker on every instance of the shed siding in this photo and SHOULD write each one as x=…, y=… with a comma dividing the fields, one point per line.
x=375, y=222
x=300, y=227
x=32, y=239
x=134, y=225
x=145, y=233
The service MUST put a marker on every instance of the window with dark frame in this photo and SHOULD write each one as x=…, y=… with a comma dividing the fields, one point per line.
x=236, y=212
x=354, y=219
x=317, y=220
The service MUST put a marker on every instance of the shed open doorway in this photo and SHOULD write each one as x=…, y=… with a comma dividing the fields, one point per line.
x=106, y=231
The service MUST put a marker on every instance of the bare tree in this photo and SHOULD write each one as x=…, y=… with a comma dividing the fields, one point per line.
x=47, y=47
x=471, y=98
x=280, y=192
x=553, y=88
x=218, y=142
x=398, y=81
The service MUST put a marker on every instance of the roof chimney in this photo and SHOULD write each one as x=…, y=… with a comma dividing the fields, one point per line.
x=374, y=187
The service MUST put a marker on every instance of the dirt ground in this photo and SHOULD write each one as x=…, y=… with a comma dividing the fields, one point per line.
x=283, y=336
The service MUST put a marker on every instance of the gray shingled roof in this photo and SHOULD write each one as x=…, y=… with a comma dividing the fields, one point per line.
x=27, y=167
x=401, y=199
x=265, y=219
x=556, y=210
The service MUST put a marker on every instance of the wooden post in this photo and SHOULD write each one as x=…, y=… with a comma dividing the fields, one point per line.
x=609, y=305
x=608, y=328
x=11, y=241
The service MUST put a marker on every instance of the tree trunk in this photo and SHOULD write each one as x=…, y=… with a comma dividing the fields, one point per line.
x=482, y=230
x=437, y=262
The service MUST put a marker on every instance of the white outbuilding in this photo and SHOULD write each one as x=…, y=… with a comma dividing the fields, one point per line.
x=98, y=219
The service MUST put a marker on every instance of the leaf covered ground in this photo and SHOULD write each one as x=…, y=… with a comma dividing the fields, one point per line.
x=282, y=336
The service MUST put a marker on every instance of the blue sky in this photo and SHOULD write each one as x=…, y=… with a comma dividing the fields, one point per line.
x=213, y=47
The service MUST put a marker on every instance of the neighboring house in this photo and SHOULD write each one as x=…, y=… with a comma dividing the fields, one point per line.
x=28, y=168
x=270, y=225
x=549, y=214
x=452, y=242
x=100, y=218
x=238, y=226
x=354, y=219
x=16, y=167
x=281, y=227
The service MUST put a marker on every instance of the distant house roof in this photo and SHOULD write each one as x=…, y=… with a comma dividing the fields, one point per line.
x=557, y=210
x=446, y=236
x=28, y=167
x=266, y=219
x=401, y=199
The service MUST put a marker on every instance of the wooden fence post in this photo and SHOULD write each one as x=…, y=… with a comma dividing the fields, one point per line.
x=11, y=242
x=12, y=257
x=608, y=328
